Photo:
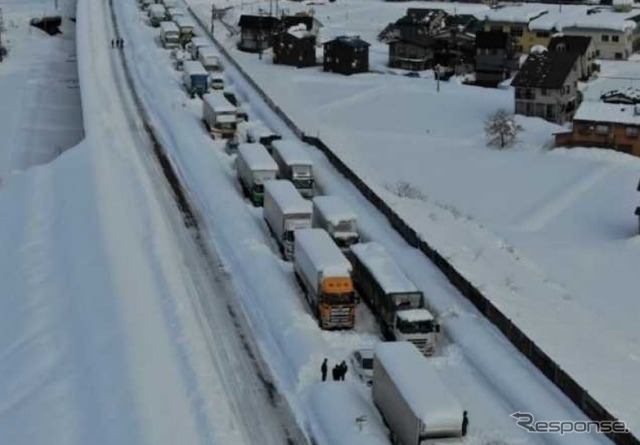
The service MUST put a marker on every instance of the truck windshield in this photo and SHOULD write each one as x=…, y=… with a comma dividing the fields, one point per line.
x=258, y=188
x=289, y=235
x=344, y=298
x=415, y=327
x=344, y=226
x=303, y=183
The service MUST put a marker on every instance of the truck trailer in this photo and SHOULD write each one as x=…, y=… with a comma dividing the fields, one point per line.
x=255, y=167
x=157, y=14
x=195, y=78
x=208, y=58
x=169, y=35
x=295, y=165
x=332, y=214
x=195, y=45
x=219, y=116
x=285, y=212
x=414, y=402
x=325, y=275
x=396, y=302
x=186, y=27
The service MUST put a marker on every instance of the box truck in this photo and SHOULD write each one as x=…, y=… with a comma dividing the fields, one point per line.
x=285, y=212
x=396, y=302
x=325, y=275
x=187, y=29
x=195, y=78
x=332, y=214
x=414, y=402
x=174, y=12
x=219, y=116
x=295, y=165
x=255, y=167
x=169, y=35
x=208, y=58
x=195, y=45
x=157, y=14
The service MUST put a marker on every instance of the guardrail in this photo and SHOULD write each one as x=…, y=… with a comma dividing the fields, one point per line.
x=572, y=389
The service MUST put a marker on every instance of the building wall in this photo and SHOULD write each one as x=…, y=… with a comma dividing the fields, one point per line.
x=252, y=40
x=409, y=56
x=341, y=59
x=586, y=133
x=603, y=42
x=523, y=38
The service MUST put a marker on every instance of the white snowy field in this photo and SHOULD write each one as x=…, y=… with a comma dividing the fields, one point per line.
x=549, y=236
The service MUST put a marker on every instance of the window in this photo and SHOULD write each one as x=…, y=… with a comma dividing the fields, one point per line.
x=605, y=38
x=618, y=56
x=516, y=31
x=542, y=34
x=584, y=129
x=632, y=132
x=614, y=38
x=602, y=129
x=520, y=107
x=597, y=53
x=540, y=110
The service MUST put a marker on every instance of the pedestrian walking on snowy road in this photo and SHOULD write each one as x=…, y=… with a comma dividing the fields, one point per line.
x=324, y=369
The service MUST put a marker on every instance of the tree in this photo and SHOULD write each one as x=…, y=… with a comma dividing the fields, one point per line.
x=501, y=129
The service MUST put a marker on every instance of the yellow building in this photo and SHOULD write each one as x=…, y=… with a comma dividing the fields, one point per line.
x=515, y=20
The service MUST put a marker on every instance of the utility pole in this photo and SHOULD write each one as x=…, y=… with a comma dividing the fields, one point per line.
x=1, y=32
x=213, y=16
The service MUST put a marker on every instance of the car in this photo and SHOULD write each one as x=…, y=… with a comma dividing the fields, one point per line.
x=362, y=364
x=412, y=74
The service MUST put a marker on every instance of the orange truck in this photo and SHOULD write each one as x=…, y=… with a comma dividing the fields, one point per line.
x=325, y=274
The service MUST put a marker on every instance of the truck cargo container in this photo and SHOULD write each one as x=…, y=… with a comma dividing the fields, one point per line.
x=169, y=35
x=285, y=212
x=195, y=78
x=414, y=402
x=195, y=44
x=187, y=30
x=295, y=165
x=396, y=302
x=207, y=56
x=332, y=214
x=157, y=14
x=219, y=116
x=173, y=13
x=255, y=167
x=325, y=275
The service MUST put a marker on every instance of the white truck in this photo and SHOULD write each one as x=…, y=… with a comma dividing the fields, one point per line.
x=157, y=14
x=217, y=83
x=255, y=167
x=195, y=45
x=219, y=116
x=187, y=29
x=207, y=56
x=414, y=402
x=174, y=12
x=295, y=165
x=195, y=78
x=332, y=214
x=325, y=275
x=169, y=35
x=285, y=212
x=396, y=302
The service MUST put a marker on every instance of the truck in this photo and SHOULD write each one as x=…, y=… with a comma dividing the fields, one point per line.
x=396, y=302
x=207, y=56
x=219, y=116
x=285, y=211
x=332, y=214
x=195, y=78
x=325, y=276
x=157, y=13
x=414, y=402
x=174, y=12
x=295, y=165
x=169, y=35
x=217, y=83
x=195, y=44
x=187, y=29
x=255, y=167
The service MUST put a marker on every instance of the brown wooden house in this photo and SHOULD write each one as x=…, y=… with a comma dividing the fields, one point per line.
x=295, y=46
x=346, y=55
x=257, y=32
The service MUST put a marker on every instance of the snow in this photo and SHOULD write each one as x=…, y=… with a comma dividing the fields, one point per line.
x=383, y=268
x=255, y=132
x=299, y=31
x=167, y=27
x=523, y=13
x=414, y=315
x=576, y=16
x=219, y=103
x=287, y=198
x=611, y=113
x=256, y=157
x=322, y=253
x=334, y=209
x=194, y=68
x=420, y=386
x=291, y=153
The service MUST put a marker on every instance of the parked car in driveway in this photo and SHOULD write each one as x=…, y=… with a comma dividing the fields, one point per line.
x=362, y=364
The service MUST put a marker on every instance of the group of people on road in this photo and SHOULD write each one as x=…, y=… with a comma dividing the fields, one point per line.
x=338, y=372
x=117, y=43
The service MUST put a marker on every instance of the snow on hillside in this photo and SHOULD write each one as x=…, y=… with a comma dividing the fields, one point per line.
x=549, y=236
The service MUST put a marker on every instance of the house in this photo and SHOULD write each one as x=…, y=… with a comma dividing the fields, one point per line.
x=346, y=55
x=515, y=20
x=547, y=86
x=606, y=125
x=495, y=57
x=257, y=32
x=295, y=46
x=581, y=45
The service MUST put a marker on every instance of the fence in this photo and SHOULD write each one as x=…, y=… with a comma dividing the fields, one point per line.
x=519, y=339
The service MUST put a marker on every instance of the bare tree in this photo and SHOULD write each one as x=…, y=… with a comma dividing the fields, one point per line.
x=501, y=129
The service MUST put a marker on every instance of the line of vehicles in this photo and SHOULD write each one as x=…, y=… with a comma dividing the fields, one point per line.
x=319, y=235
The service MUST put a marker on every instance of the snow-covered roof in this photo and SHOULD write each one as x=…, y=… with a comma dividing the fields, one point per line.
x=291, y=152
x=258, y=131
x=207, y=51
x=200, y=41
x=333, y=209
x=385, y=270
x=156, y=8
x=322, y=252
x=413, y=315
x=226, y=119
x=419, y=383
x=193, y=67
x=218, y=102
x=256, y=157
x=287, y=197
x=584, y=16
x=609, y=113
x=299, y=31
x=184, y=22
x=168, y=27
x=523, y=13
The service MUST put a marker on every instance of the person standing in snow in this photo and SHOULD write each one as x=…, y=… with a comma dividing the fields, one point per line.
x=113, y=43
x=323, y=369
x=465, y=423
x=335, y=372
x=343, y=370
